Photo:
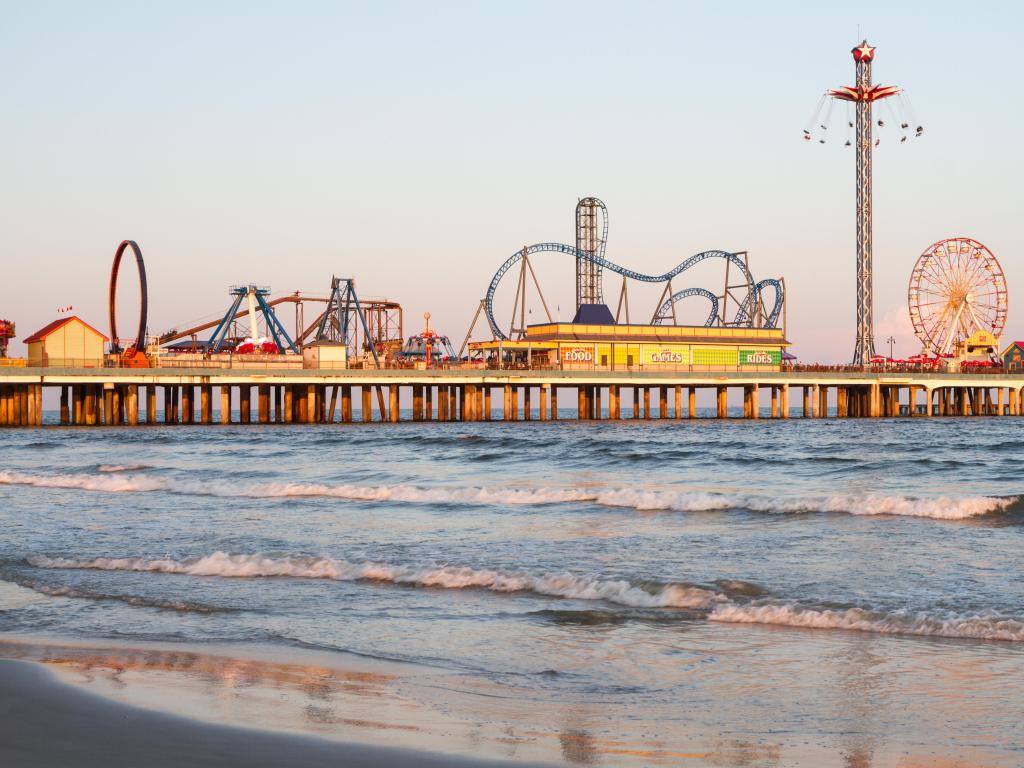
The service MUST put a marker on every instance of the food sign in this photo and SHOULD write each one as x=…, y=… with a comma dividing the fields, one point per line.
x=577, y=355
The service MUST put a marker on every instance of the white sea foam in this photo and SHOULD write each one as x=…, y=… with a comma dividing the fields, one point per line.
x=564, y=585
x=943, y=508
x=121, y=467
x=984, y=626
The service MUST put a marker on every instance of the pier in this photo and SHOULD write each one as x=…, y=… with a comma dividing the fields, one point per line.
x=109, y=397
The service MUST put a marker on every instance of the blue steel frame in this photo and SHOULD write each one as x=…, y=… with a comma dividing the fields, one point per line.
x=274, y=325
x=744, y=316
x=342, y=301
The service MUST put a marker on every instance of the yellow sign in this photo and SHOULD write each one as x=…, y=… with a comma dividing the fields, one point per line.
x=664, y=355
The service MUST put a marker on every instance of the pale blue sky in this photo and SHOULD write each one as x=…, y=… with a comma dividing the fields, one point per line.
x=417, y=145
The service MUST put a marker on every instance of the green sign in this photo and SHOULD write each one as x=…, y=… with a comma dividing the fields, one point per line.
x=760, y=357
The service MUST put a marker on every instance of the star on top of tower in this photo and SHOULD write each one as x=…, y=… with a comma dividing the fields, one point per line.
x=863, y=52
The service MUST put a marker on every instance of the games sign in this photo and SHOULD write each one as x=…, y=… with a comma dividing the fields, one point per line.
x=664, y=356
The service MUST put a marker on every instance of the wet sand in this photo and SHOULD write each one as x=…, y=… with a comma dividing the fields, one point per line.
x=44, y=722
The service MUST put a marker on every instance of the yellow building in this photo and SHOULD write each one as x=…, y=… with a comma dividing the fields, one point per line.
x=66, y=343
x=643, y=347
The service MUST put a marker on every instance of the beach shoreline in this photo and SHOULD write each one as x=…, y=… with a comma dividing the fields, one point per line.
x=45, y=722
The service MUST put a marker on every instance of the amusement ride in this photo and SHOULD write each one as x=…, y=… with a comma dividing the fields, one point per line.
x=957, y=288
x=860, y=99
x=741, y=304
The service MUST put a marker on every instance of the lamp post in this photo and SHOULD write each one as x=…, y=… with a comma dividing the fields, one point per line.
x=890, y=341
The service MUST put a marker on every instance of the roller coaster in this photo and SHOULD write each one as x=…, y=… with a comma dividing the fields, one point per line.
x=740, y=305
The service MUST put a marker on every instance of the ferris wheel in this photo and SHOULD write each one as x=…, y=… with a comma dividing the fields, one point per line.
x=957, y=288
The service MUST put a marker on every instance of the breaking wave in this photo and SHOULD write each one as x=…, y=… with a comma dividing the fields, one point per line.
x=941, y=508
x=564, y=585
x=733, y=606
x=982, y=626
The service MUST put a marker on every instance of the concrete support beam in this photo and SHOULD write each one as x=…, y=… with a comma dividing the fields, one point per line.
x=692, y=405
x=545, y=395
x=245, y=405
x=417, y=402
x=722, y=402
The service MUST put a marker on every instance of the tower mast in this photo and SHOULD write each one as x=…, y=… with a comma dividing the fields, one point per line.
x=863, y=93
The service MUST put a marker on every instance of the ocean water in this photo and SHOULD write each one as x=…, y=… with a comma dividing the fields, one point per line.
x=828, y=592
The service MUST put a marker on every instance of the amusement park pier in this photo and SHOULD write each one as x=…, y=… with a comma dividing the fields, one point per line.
x=130, y=396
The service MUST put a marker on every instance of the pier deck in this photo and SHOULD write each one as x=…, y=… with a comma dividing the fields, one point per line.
x=112, y=396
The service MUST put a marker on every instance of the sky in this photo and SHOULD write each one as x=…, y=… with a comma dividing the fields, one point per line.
x=415, y=146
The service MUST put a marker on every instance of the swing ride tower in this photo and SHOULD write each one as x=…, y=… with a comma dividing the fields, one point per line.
x=863, y=94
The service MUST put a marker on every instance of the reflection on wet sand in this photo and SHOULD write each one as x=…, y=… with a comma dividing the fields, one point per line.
x=353, y=699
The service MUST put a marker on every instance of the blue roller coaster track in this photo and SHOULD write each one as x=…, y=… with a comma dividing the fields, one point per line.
x=744, y=315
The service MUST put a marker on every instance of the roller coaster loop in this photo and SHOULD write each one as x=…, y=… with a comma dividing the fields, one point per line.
x=744, y=314
x=140, y=339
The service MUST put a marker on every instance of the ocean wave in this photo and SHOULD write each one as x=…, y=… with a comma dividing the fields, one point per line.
x=138, y=601
x=982, y=626
x=942, y=508
x=121, y=467
x=565, y=585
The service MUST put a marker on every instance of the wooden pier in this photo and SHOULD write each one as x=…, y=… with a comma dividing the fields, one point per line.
x=101, y=396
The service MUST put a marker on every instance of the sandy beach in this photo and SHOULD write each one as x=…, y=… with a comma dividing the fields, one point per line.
x=45, y=722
